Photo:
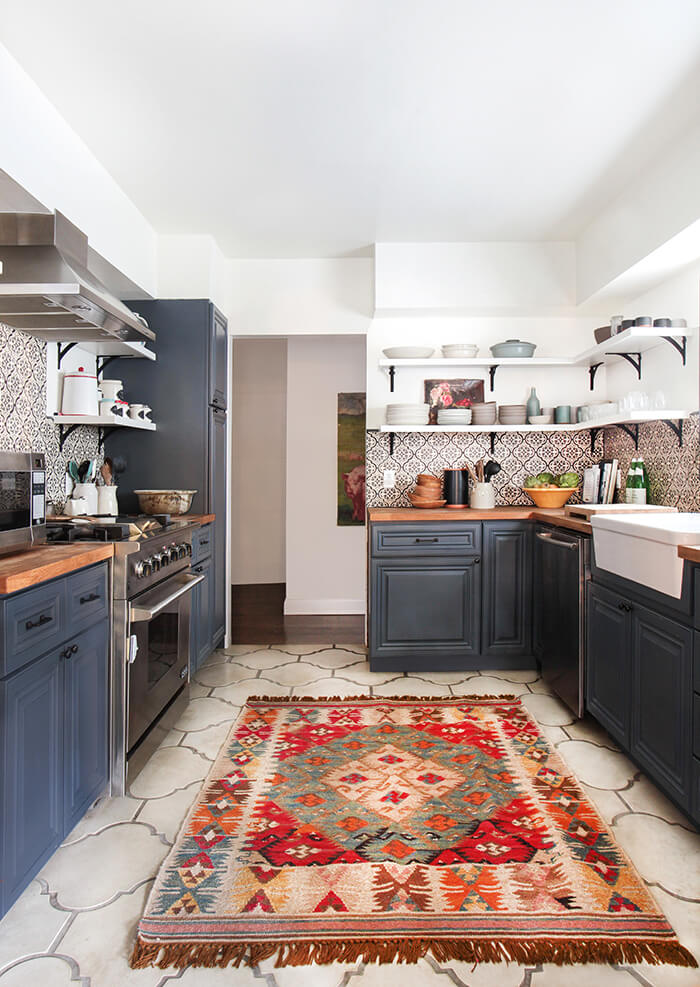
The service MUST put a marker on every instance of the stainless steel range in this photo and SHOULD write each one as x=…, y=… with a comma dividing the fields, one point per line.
x=151, y=586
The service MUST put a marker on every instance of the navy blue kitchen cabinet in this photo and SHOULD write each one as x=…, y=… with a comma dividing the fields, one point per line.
x=608, y=661
x=450, y=595
x=201, y=616
x=54, y=718
x=187, y=390
x=507, y=589
x=639, y=673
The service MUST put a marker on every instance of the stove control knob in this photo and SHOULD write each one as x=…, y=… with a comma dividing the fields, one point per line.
x=188, y=548
x=155, y=561
x=138, y=569
x=182, y=551
x=147, y=567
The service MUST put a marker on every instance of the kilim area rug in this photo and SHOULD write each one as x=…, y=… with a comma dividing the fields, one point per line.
x=383, y=829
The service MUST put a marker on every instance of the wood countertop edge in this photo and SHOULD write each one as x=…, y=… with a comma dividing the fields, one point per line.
x=691, y=553
x=555, y=517
x=37, y=565
x=198, y=518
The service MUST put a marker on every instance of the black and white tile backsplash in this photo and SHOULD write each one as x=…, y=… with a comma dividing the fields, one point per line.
x=24, y=425
x=520, y=454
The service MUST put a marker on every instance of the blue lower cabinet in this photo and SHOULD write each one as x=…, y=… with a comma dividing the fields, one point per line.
x=201, y=625
x=54, y=734
x=31, y=712
x=86, y=716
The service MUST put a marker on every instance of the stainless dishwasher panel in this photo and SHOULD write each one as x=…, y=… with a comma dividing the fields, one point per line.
x=563, y=572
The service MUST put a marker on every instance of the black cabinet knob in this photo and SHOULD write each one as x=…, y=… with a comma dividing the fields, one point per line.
x=477, y=560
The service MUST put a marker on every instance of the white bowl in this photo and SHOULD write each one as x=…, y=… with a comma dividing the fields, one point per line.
x=452, y=351
x=408, y=352
x=541, y=419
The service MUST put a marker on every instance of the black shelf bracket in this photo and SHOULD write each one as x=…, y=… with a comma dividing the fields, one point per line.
x=64, y=431
x=102, y=362
x=493, y=442
x=102, y=433
x=631, y=430
x=64, y=350
x=680, y=346
x=635, y=359
x=594, y=435
x=391, y=443
x=392, y=376
x=676, y=428
x=492, y=377
x=592, y=371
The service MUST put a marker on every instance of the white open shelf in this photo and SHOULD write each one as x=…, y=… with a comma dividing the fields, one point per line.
x=633, y=418
x=634, y=340
x=108, y=421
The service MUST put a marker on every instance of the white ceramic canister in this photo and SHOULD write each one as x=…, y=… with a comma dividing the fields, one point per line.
x=107, y=407
x=75, y=506
x=111, y=389
x=79, y=393
x=138, y=411
x=87, y=491
x=482, y=497
x=107, y=501
x=120, y=408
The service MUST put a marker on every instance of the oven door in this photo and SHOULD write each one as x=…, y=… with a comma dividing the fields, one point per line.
x=159, y=650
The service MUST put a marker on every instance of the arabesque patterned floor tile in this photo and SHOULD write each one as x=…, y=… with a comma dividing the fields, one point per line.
x=30, y=926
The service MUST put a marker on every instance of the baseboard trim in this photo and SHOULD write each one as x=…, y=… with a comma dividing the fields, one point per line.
x=313, y=607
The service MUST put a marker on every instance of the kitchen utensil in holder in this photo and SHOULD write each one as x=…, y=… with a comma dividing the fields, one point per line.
x=456, y=485
x=482, y=497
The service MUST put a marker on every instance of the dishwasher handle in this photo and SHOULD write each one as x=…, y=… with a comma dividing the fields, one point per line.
x=153, y=608
x=546, y=536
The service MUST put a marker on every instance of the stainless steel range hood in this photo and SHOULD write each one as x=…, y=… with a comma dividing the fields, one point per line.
x=46, y=289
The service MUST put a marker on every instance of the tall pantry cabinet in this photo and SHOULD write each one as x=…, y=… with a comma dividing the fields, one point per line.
x=187, y=391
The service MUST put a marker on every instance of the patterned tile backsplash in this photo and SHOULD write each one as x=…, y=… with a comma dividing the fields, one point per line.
x=24, y=425
x=674, y=472
x=520, y=454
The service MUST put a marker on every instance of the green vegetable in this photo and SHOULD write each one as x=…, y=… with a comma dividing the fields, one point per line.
x=568, y=480
x=530, y=482
x=545, y=479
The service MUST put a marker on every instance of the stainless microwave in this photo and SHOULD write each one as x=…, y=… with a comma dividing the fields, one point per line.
x=22, y=500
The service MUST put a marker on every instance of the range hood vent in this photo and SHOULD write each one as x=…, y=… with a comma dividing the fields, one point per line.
x=46, y=289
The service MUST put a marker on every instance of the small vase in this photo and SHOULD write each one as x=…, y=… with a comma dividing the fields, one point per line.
x=107, y=501
x=533, y=404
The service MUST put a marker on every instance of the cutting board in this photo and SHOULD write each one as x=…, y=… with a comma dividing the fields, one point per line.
x=585, y=511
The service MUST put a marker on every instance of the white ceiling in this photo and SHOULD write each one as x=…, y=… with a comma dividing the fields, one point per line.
x=316, y=127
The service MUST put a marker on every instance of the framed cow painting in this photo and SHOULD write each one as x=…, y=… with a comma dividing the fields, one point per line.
x=351, y=458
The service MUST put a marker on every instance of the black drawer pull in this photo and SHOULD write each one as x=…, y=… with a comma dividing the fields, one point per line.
x=203, y=542
x=199, y=568
x=43, y=619
x=69, y=651
x=627, y=607
x=422, y=541
x=90, y=598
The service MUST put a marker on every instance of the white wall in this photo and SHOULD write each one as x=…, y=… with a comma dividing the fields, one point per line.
x=193, y=267
x=325, y=563
x=466, y=278
x=301, y=296
x=46, y=156
x=664, y=200
x=258, y=460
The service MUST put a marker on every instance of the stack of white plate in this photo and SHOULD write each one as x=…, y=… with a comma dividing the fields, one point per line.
x=454, y=416
x=512, y=414
x=484, y=414
x=407, y=414
x=460, y=351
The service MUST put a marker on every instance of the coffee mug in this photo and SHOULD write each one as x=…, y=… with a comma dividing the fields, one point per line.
x=562, y=414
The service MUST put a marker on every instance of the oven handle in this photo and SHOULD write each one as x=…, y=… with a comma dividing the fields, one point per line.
x=137, y=612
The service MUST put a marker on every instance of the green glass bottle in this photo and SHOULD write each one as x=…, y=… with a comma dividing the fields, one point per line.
x=635, y=489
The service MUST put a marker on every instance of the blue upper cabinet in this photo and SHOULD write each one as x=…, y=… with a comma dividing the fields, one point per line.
x=54, y=718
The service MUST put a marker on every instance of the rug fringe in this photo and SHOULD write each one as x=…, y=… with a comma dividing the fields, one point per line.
x=304, y=952
x=443, y=700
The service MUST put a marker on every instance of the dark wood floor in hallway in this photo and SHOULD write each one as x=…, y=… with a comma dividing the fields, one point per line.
x=258, y=618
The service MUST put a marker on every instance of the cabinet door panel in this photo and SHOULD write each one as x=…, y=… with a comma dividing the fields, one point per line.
x=608, y=671
x=217, y=467
x=31, y=816
x=426, y=606
x=86, y=721
x=507, y=606
x=218, y=358
x=661, y=707
x=201, y=614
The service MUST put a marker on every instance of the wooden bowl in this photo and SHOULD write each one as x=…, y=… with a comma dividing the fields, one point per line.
x=428, y=490
x=426, y=505
x=425, y=478
x=549, y=496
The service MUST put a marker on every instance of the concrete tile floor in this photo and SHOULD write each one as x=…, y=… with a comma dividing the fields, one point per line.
x=75, y=923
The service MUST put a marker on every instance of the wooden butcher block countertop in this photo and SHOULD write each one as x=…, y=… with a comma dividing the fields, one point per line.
x=36, y=565
x=691, y=553
x=531, y=513
x=198, y=518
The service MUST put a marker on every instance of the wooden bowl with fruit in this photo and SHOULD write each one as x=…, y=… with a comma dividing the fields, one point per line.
x=547, y=490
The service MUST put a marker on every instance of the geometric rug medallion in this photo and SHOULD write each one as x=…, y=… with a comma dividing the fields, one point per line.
x=384, y=829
